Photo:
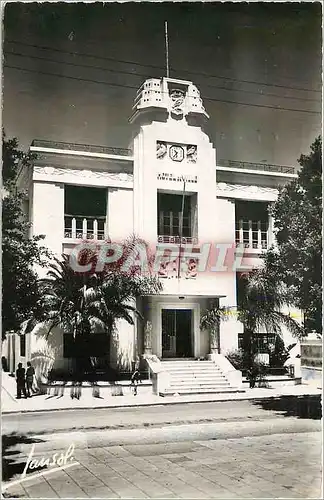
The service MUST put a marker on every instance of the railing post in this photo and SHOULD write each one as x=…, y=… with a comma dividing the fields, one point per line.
x=95, y=229
x=250, y=235
x=84, y=229
x=259, y=235
x=241, y=231
x=73, y=228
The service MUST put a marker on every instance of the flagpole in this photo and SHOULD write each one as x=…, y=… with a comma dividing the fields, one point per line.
x=181, y=225
x=167, y=48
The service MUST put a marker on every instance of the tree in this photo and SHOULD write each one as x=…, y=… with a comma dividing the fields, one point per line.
x=296, y=260
x=260, y=303
x=19, y=251
x=85, y=303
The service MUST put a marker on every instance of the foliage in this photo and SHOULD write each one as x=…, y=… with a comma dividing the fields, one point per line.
x=260, y=303
x=19, y=251
x=255, y=370
x=256, y=373
x=279, y=354
x=83, y=304
x=296, y=261
x=210, y=320
x=236, y=358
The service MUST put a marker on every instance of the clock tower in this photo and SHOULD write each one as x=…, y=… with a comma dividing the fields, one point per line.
x=170, y=147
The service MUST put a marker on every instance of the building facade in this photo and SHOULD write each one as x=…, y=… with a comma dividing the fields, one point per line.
x=169, y=189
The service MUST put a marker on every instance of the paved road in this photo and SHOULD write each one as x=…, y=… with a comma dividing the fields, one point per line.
x=49, y=422
x=275, y=466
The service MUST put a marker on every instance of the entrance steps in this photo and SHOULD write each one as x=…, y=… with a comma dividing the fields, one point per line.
x=195, y=377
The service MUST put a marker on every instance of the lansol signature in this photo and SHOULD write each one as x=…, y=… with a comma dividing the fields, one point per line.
x=58, y=459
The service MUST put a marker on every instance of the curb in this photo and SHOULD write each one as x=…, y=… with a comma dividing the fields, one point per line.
x=158, y=403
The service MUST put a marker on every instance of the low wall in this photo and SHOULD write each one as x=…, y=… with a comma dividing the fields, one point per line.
x=312, y=375
x=280, y=381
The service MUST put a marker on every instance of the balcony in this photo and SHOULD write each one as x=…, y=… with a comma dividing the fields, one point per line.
x=177, y=240
x=89, y=228
x=261, y=167
x=87, y=148
x=252, y=235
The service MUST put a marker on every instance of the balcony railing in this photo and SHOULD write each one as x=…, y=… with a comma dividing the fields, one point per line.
x=252, y=234
x=85, y=228
x=264, y=167
x=88, y=148
x=185, y=240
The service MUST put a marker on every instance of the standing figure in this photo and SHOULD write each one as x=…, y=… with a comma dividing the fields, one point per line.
x=20, y=379
x=134, y=381
x=30, y=372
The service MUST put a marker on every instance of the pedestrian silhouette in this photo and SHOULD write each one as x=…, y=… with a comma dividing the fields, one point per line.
x=20, y=380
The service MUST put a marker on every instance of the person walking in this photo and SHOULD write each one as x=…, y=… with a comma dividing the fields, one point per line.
x=135, y=378
x=30, y=372
x=20, y=380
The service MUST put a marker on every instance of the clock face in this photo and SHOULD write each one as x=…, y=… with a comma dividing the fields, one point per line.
x=176, y=153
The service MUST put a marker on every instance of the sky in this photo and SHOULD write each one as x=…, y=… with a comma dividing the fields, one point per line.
x=71, y=71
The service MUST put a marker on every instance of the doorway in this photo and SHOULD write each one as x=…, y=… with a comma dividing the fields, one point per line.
x=177, y=333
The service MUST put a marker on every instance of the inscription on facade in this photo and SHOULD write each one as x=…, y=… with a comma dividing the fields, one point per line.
x=164, y=176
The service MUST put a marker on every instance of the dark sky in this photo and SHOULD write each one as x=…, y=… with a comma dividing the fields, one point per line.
x=71, y=71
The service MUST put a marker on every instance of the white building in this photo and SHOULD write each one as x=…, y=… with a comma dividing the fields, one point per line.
x=81, y=191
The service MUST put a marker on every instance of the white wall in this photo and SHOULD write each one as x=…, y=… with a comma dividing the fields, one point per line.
x=120, y=213
x=48, y=214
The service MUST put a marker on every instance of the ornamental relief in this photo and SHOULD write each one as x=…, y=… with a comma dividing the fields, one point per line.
x=188, y=268
x=93, y=174
x=225, y=187
x=176, y=152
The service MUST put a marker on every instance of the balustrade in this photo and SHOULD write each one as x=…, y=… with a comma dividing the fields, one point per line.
x=252, y=234
x=86, y=228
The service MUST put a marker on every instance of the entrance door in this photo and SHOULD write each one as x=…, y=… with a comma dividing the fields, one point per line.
x=176, y=333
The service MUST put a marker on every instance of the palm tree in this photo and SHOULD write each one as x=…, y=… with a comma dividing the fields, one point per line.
x=260, y=303
x=83, y=304
x=210, y=320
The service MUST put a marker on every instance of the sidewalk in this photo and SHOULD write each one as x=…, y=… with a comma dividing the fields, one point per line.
x=54, y=401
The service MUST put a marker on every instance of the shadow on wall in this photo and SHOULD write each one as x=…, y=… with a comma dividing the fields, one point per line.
x=13, y=461
x=44, y=352
x=124, y=361
x=294, y=406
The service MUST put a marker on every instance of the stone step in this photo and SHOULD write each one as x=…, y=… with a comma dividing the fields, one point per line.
x=190, y=367
x=194, y=377
x=182, y=363
x=204, y=384
x=193, y=369
x=201, y=378
x=200, y=390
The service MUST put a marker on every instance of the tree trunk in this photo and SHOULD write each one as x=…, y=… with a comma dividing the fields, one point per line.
x=248, y=354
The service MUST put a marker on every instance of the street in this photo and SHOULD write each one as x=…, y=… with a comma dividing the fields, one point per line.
x=235, y=449
x=52, y=421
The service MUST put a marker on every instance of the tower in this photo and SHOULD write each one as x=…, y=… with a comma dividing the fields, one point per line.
x=170, y=146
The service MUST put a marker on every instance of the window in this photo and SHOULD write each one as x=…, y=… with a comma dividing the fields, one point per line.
x=263, y=341
x=169, y=215
x=85, y=210
x=251, y=224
